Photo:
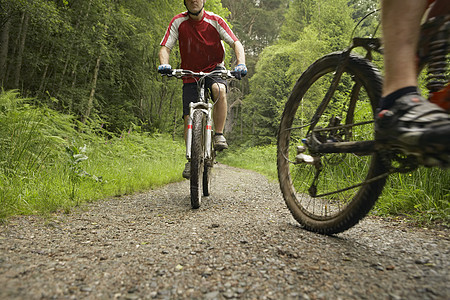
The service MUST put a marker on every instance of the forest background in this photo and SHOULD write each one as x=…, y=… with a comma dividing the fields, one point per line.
x=85, y=115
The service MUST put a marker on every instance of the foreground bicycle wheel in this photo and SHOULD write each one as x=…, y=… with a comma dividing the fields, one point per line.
x=197, y=159
x=330, y=191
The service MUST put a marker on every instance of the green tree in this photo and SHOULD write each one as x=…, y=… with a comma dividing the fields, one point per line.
x=249, y=20
x=298, y=16
x=312, y=29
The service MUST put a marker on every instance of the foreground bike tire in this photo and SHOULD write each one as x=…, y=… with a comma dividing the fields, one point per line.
x=197, y=159
x=302, y=184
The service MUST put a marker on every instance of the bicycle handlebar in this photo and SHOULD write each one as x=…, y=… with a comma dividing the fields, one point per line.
x=180, y=73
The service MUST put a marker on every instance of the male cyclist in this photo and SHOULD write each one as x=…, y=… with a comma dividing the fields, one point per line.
x=406, y=120
x=200, y=34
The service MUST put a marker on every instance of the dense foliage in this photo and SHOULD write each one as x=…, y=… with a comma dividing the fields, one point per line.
x=96, y=59
x=92, y=58
x=49, y=161
x=311, y=29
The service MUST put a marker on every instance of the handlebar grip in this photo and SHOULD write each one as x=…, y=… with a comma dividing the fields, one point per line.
x=165, y=71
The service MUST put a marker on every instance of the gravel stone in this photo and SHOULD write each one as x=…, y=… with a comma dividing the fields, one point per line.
x=242, y=243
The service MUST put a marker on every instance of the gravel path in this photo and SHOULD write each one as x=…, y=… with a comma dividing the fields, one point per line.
x=242, y=243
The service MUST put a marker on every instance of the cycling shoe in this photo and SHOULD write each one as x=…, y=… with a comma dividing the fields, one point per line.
x=414, y=126
x=220, y=143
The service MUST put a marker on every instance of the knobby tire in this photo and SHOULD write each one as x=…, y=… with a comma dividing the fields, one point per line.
x=337, y=212
x=197, y=159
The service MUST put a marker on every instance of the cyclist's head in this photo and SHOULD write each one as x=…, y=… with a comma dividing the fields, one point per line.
x=198, y=10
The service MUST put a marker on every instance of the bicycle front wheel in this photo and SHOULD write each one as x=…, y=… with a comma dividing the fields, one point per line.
x=329, y=189
x=197, y=159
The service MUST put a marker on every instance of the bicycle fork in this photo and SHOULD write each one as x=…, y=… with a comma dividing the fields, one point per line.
x=206, y=109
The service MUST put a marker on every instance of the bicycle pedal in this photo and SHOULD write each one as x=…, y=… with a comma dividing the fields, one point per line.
x=301, y=149
x=304, y=158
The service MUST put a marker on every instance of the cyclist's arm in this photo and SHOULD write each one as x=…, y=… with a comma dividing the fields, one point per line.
x=240, y=54
x=164, y=54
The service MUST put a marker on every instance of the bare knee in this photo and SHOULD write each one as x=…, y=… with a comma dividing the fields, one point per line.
x=219, y=91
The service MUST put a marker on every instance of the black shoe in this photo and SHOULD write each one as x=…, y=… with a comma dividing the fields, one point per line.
x=413, y=125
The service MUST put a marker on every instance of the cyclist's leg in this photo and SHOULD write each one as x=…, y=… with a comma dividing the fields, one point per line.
x=218, y=88
x=219, y=115
x=406, y=120
x=220, y=106
x=401, y=25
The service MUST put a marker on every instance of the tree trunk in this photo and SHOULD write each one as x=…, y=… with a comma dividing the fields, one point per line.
x=4, y=44
x=90, y=103
x=21, y=50
x=150, y=113
x=42, y=85
x=15, y=46
x=175, y=117
x=35, y=70
x=74, y=73
x=69, y=57
x=242, y=123
x=61, y=80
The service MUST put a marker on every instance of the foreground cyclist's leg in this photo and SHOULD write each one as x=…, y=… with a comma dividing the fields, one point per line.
x=406, y=119
x=219, y=92
x=401, y=25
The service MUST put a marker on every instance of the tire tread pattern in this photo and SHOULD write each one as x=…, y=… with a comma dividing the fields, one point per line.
x=196, y=159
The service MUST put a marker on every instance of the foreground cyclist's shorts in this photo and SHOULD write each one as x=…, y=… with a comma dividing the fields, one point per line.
x=190, y=92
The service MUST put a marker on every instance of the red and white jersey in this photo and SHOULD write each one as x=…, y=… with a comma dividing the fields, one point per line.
x=200, y=42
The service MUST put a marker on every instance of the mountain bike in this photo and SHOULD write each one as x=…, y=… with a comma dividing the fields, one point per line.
x=199, y=146
x=331, y=170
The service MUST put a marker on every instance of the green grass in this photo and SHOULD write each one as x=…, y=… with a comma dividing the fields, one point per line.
x=47, y=165
x=262, y=159
x=123, y=166
x=423, y=195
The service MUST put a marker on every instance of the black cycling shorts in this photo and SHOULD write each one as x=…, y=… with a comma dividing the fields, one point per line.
x=190, y=92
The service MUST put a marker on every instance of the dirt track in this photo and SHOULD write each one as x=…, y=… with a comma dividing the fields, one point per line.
x=242, y=243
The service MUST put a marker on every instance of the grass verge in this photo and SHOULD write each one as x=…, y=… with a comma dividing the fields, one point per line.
x=51, y=162
x=262, y=159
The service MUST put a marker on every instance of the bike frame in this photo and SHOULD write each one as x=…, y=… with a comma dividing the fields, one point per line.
x=362, y=147
x=206, y=109
x=202, y=105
